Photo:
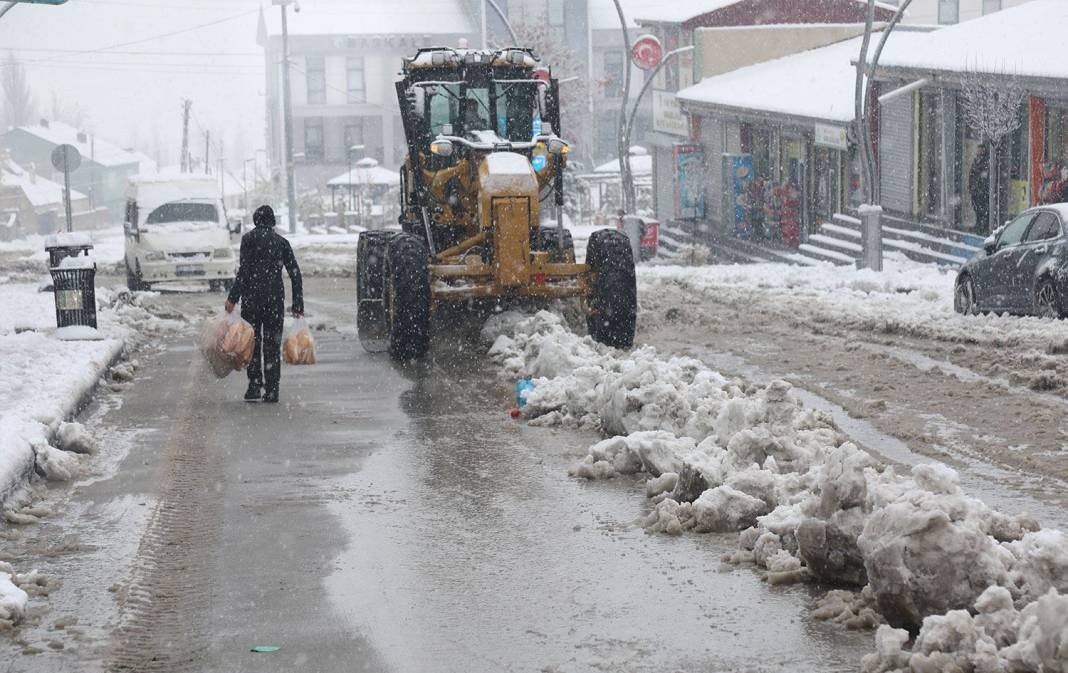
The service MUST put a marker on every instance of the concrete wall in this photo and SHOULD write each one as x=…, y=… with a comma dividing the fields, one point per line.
x=721, y=50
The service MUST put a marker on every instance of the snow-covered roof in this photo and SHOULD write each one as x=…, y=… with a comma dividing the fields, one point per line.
x=367, y=172
x=1023, y=41
x=39, y=191
x=641, y=163
x=817, y=84
x=681, y=11
x=101, y=151
x=333, y=17
x=603, y=16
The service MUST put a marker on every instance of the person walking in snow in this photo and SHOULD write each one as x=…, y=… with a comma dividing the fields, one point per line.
x=262, y=294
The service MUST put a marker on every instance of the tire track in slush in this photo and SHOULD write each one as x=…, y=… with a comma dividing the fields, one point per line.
x=164, y=609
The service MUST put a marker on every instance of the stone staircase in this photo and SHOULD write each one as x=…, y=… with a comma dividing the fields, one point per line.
x=838, y=242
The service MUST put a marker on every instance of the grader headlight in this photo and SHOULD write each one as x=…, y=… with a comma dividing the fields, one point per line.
x=557, y=146
x=442, y=148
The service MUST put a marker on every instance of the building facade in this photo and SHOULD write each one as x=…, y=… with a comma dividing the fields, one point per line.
x=344, y=60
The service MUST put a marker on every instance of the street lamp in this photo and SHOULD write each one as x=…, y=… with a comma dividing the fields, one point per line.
x=348, y=176
x=244, y=179
x=287, y=115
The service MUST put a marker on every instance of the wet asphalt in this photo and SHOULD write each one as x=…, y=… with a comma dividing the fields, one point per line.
x=380, y=518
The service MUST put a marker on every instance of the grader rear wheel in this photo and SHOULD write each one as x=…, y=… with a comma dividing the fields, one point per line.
x=371, y=252
x=407, y=298
x=613, y=300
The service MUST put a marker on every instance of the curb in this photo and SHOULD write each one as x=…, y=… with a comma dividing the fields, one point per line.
x=24, y=472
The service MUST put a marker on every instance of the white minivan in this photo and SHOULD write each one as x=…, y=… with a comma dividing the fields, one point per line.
x=177, y=230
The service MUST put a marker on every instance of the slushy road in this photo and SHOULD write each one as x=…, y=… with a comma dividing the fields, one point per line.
x=380, y=518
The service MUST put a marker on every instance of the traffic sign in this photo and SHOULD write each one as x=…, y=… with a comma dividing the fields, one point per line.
x=647, y=52
x=66, y=158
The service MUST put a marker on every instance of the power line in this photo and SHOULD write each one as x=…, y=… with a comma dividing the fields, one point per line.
x=140, y=41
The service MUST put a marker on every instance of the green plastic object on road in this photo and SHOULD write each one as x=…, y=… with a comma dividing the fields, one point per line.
x=266, y=649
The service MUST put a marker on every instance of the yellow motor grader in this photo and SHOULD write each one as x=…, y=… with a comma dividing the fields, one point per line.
x=485, y=158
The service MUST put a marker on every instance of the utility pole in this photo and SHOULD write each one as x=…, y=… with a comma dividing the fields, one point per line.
x=626, y=180
x=184, y=161
x=287, y=121
x=485, y=33
x=207, y=152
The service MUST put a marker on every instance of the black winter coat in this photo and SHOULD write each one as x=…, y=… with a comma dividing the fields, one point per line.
x=259, y=274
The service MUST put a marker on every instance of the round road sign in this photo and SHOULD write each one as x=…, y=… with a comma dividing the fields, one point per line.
x=66, y=158
x=647, y=52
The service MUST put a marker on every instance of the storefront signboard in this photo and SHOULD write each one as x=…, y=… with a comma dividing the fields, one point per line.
x=668, y=116
x=835, y=137
x=690, y=182
x=739, y=169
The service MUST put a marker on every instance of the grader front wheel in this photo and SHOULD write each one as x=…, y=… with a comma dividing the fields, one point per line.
x=613, y=299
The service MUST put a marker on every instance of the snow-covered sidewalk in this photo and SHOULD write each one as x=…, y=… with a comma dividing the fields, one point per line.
x=43, y=381
x=726, y=455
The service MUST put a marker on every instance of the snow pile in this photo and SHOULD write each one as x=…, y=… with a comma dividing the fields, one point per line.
x=997, y=638
x=729, y=456
x=12, y=598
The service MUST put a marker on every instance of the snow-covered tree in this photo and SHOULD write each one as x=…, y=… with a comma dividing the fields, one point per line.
x=19, y=106
x=547, y=42
x=991, y=107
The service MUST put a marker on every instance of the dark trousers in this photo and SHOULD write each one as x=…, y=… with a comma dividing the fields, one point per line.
x=266, y=366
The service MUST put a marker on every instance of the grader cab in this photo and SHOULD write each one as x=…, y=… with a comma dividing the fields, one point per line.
x=485, y=162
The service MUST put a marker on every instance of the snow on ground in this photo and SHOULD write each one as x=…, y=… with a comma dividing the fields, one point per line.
x=108, y=247
x=906, y=298
x=726, y=455
x=43, y=379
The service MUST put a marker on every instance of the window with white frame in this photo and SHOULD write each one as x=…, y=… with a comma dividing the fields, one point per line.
x=313, y=138
x=316, y=74
x=948, y=11
x=355, y=80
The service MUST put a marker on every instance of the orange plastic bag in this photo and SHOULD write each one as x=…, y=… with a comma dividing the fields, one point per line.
x=298, y=348
x=227, y=343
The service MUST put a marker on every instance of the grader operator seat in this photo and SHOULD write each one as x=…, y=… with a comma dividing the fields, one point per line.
x=483, y=157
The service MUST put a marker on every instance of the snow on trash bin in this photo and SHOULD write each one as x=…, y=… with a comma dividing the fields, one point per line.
x=298, y=345
x=227, y=342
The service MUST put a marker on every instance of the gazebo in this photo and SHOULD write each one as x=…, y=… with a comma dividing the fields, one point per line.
x=367, y=183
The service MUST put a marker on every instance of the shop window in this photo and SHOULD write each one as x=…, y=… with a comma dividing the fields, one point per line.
x=354, y=132
x=930, y=155
x=313, y=138
x=760, y=148
x=948, y=11
x=613, y=74
x=1016, y=153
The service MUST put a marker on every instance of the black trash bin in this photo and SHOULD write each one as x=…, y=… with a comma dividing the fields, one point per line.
x=73, y=272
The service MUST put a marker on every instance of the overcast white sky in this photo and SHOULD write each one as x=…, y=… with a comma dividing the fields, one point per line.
x=146, y=55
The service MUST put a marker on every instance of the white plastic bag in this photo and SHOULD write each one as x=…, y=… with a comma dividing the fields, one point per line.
x=227, y=342
x=298, y=345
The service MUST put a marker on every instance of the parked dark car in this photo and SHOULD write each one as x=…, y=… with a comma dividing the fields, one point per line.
x=1023, y=269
